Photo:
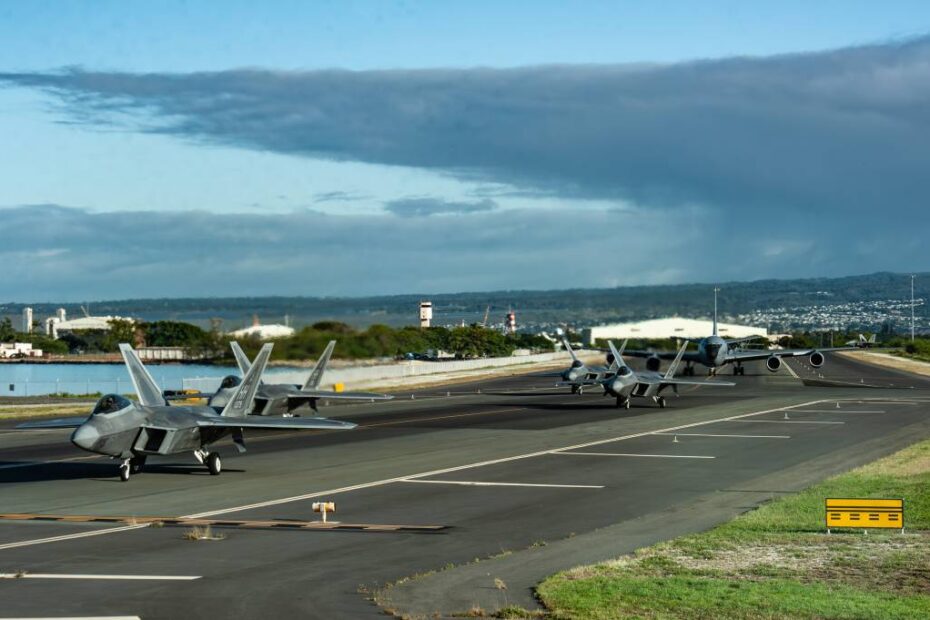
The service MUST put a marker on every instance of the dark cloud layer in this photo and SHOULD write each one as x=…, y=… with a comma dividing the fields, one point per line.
x=423, y=207
x=57, y=253
x=844, y=131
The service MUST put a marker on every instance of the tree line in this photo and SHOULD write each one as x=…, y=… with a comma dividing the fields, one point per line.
x=377, y=341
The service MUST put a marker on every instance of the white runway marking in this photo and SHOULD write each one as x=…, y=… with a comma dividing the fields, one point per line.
x=427, y=474
x=656, y=456
x=724, y=435
x=116, y=577
x=791, y=421
x=469, y=483
x=39, y=541
x=791, y=370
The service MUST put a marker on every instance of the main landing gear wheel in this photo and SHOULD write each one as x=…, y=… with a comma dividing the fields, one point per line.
x=574, y=389
x=136, y=464
x=623, y=402
x=124, y=472
x=214, y=464
x=661, y=402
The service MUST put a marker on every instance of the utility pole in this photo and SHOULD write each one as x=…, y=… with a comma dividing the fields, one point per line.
x=912, y=306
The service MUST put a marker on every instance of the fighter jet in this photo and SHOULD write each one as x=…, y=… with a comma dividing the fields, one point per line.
x=715, y=352
x=282, y=398
x=122, y=429
x=578, y=375
x=862, y=342
x=626, y=384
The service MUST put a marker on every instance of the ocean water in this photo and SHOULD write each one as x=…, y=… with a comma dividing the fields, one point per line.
x=41, y=379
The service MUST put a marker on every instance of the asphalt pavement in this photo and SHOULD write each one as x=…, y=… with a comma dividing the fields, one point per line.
x=524, y=478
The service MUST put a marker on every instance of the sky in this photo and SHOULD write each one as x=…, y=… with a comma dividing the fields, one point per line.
x=359, y=148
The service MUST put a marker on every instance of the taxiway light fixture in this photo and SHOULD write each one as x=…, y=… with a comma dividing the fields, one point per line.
x=324, y=508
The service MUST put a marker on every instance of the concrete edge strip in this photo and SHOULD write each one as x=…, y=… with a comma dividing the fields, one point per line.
x=723, y=435
x=654, y=456
x=475, y=483
x=108, y=577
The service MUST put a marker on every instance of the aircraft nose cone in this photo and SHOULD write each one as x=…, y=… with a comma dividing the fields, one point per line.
x=85, y=437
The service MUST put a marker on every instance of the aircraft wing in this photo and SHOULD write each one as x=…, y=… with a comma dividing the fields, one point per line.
x=689, y=356
x=761, y=354
x=309, y=423
x=700, y=383
x=330, y=395
x=56, y=423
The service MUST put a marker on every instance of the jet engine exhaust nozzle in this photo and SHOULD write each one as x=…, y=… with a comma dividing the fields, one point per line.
x=773, y=363
x=816, y=359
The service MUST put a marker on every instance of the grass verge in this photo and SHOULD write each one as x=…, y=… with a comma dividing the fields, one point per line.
x=42, y=411
x=774, y=562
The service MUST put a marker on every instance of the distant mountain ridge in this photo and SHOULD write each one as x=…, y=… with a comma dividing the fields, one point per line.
x=576, y=306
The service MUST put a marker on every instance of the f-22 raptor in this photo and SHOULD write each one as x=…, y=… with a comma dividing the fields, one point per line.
x=578, y=375
x=122, y=429
x=285, y=398
x=626, y=383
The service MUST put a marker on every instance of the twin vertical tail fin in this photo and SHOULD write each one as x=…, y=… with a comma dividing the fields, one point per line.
x=673, y=367
x=316, y=375
x=618, y=354
x=150, y=395
x=242, y=360
x=241, y=402
x=568, y=347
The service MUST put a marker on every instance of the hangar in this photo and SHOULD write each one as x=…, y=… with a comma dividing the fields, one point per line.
x=672, y=327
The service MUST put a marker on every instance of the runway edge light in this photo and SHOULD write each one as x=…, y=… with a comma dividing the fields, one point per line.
x=324, y=508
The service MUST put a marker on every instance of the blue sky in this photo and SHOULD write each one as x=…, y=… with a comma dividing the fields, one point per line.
x=227, y=108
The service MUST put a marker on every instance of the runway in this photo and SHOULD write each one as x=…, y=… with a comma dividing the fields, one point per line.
x=524, y=477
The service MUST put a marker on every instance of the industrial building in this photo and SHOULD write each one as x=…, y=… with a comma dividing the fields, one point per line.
x=673, y=327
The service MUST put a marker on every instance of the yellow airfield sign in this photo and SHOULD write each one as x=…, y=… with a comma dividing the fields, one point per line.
x=859, y=513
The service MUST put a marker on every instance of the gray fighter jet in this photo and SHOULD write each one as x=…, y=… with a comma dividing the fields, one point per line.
x=578, y=375
x=284, y=398
x=863, y=342
x=123, y=429
x=715, y=352
x=626, y=383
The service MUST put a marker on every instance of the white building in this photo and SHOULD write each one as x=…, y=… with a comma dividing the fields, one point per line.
x=87, y=322
x=27, y=320
x=673, y=327
x=18, y=349
x=264, y=332
x=426, y=314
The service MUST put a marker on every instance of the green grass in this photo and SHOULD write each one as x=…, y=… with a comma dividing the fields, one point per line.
x=612, y=596
x=774, y=562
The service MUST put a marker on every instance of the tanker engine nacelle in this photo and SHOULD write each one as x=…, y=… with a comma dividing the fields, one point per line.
x=773, y=363
x=653, y=363
x=816, y=359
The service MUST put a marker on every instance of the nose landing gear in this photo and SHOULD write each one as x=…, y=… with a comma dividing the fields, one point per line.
x=130, y=466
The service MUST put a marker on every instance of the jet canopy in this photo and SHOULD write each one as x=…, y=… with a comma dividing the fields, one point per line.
x=230, y=381
x=577, y=364
x=111, y=403
x=624, y=371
